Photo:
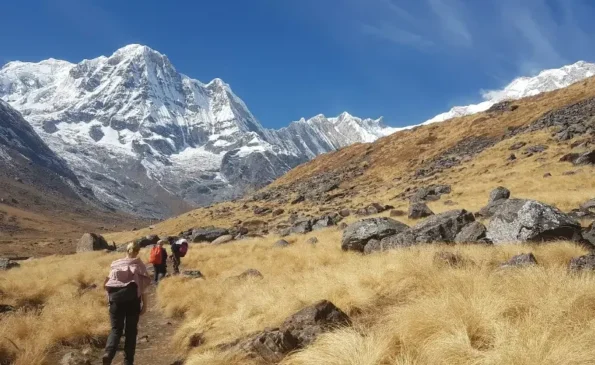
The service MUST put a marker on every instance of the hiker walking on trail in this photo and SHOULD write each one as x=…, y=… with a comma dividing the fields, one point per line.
x=126, y=284
x=178, y=250
x=158, y=258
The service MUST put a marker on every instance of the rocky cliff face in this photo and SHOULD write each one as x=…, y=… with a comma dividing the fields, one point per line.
x=149, y=140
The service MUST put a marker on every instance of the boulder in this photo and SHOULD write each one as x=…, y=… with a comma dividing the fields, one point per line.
x=76, y=358
x=374, y=208
x=7, y=264
x=344, y=213
x=520, y=220
x=357, y=235
x=277, y=212
x=497, y=197
x=261, y=211
x=589, y=234
x=298, y=331
x=323, y=222
x=282, y=243
x=440, y=228
x=445, y=258
x=431, y=193
x=298, y=199
x=195, y=274
x=250, y=273
x=5, y=308
x=147, y=241
x=522, y=260
x=397, y=213
x=223, y=239
x=517, y=145
x=535, y=149
x=255, y=225
x=589, y=206
x=301, y=226
x=586, y=262
x=499, y=193
x=208, y=234
x=92, y=242
x=419, y=210
x=587, y=158
x=473, y=232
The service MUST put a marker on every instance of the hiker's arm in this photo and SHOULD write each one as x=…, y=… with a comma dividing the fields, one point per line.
x=143, y=298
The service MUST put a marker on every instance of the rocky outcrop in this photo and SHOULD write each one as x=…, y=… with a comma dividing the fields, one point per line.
x=92, y=242
x=497, y=197
x=357, y=235
x=418, y=210
x=7, y=264
x=586, y=262
x=473, y=232
x=522, y=260
x=194, y=274
x=223, y=239
x=296, y=332
x=208, y=234
x=519, y=220
x=589, y=234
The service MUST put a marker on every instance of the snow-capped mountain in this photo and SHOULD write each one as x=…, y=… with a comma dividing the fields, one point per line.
x=150, y=140
x=522, y=87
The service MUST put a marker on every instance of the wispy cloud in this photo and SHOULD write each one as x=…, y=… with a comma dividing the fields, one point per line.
x=450, y=14
x=393, y=34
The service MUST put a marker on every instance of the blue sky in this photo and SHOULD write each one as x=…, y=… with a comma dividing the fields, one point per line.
x=404, y=60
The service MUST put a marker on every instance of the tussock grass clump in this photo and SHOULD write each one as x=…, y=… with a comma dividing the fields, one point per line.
x=406, y=308
x=57, y=304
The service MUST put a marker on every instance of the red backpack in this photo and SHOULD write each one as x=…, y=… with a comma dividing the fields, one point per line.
x=156, y=255
x=183, y=249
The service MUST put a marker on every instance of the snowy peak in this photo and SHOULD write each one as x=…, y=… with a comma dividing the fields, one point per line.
x=547, y=80
x=129, y=123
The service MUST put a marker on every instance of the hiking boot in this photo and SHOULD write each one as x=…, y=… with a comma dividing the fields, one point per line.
x=106, y=360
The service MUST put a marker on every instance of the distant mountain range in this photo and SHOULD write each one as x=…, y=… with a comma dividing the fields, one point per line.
x=151, y=141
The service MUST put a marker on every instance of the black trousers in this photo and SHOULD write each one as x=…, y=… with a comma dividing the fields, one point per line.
x=160, y=270
x=123, y=316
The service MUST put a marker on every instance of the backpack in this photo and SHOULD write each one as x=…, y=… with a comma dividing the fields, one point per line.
x=183, y=250
x=124, y=294
x=156, y=255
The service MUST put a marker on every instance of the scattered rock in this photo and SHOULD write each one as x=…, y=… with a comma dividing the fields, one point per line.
x=261, y=211
x=302, y=226
x=76, y=358
x=297, y=200
x=195, y=274
x=342, y=226
x=443, y=227
x=282, y=243
x=589, y=234
x=431, y=193
x=586, y=262
x=5, y=308
x=7, y=264
x=344, y=213
x=374, y=208
x=589, y=206
x=569, y=173
x=278, y=212
x=397, y=213
x=250, y=273
x=512, y=157
x=519, y=220
x=500, y=193
x=450, y=203
x=547, y=174
x=497, y=197
x=517, y=146
x=147, y=241
x=585, y=158
x=323, y=222
x=312, y=240
x=473, y=232
x=535, y=149
x=522, y=260
x=419, y=210
x=357, y=235
x=449, y=259
x=223, y=239
x=92, y=242
x=208, y=234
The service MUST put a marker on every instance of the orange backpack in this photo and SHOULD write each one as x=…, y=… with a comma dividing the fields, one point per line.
x=156, y=255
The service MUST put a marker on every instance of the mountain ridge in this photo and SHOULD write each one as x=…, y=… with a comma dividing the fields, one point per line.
x=138, y=123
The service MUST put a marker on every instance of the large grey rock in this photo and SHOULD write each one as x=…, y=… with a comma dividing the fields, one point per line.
x=499, y=193
x=522, y=260
x=357, y=235
x=7, y=264
x=589, y=206
x=303, y=225
x=208, y=234
x=586, y=262
x=223, y=239
x=419, y=210
x=92, y=242
x=282, y=243
x=520, y=220
x=323, y=222
x=589, y=234
x=298, y=331
x=147, y=241
x=474, y=232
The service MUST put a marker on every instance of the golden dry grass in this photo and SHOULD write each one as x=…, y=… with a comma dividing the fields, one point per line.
x=55, y=306
x=406, y=308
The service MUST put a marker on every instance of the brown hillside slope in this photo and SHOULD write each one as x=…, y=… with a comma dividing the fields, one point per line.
x=384, y=170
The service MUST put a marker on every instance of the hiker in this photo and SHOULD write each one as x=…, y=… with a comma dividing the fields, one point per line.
x=125, y=286
x=158, y=258
x=178, y=250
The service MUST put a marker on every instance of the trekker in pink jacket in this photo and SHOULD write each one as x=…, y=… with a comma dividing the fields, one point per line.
x=126, y=284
